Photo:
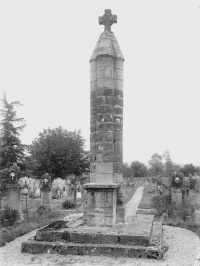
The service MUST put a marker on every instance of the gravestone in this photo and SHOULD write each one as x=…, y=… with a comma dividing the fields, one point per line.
x=14, y=198
x=106, y=128
x=14, y=193
x=178, y=190
x=46, y=195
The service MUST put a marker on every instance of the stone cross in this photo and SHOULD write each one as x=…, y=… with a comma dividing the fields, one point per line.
x=107, y=20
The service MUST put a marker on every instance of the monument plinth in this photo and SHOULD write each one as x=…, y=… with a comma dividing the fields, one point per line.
x=106, y=123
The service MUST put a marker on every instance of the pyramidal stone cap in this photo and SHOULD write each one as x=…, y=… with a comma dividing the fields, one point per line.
x=107, y=44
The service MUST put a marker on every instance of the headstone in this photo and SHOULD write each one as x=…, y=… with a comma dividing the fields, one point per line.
x=164, y=217
x=176, y=196
x=46, y=197
x=106, y=121
x=78, y=194
x=37, y=193
x=14, y=198
x=188, y=219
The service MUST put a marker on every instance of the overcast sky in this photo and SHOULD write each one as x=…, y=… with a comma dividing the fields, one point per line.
x=45, y=47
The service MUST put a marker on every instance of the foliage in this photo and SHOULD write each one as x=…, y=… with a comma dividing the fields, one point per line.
x=12, y=151
x=156, y=165
x=188, y=169
x=10, y=233
x=8, y=216
x=161, y=202
x=146, y=201
x=68, y=204
x=59, y=152
x=42, y=210
x=138, y=169
x=169, y=167
x=126, y=170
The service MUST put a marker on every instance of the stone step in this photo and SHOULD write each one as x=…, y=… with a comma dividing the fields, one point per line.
x=137, y=232
x=157, y=232
x=110, y=250
x=146, y=211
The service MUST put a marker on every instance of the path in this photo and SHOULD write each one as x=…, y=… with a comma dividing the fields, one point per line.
x=133, y=203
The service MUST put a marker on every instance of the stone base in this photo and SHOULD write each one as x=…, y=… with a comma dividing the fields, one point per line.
x=101, y=204
x=142, y=238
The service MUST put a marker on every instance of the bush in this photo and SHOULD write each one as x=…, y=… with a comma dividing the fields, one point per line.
x=10, y=233
x=41, y=210
x=68, y=204
x=8, y=216
x=162, y=204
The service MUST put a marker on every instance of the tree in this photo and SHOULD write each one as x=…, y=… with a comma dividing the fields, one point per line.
x=188, y=169
x=12, y=151
x=169, y=167
x=138, y=169
x=59, y=152
x=126, y=170
x=156, y=165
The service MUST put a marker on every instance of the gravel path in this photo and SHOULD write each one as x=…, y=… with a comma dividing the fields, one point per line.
x=184, y=250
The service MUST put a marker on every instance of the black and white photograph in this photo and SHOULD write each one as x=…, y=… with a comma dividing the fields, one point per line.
x=99, y=132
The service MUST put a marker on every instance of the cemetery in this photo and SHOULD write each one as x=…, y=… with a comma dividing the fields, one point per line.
x=99, y=212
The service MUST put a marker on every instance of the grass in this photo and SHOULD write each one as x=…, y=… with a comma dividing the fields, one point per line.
x=8, y=234
x=146, y=201
x=129, y=192
x=173, y=220
x=177, y=222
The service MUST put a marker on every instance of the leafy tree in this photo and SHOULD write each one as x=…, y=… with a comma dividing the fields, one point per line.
x=138, y=169
x=12, y=151
x=188, y=169
x=156, y=165
x=59, y=152
x=169, y=167
x=126, y=170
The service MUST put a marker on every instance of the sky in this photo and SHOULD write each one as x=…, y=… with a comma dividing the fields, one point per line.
x=45, y=48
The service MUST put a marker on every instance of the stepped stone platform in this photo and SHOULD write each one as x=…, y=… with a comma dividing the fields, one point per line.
x=140, y=238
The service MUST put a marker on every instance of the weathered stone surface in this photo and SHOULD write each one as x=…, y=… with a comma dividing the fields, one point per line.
x=105, y=82
x=104, y=72
x=46, y=197
x=104, y=92
x=106, y=75
x=156, y=236
x=139, y=231
x=104, y=168
x=104, y=108
x=109, y=250
x=104, y=62
x=121, y=237
x=14, y=198
x=118, y=177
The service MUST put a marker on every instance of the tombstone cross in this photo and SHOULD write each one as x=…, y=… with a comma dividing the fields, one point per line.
x=107, y=20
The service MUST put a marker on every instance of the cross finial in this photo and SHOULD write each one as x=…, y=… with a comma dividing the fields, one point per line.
x=107, y=20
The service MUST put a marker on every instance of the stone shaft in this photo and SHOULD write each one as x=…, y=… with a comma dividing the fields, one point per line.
x=106, y=111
